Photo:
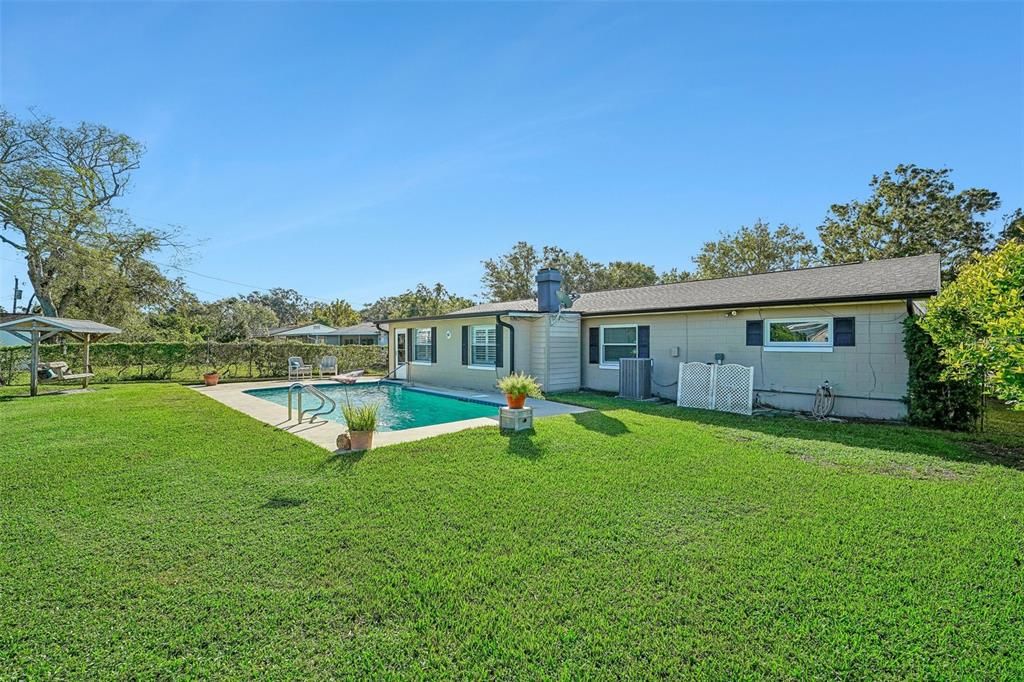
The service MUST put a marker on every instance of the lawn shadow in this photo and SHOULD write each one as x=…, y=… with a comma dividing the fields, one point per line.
x=68, y=390
x=895, y=437
x=344, y=460
x=600, y=422
x=521, y=444
x=282, y=503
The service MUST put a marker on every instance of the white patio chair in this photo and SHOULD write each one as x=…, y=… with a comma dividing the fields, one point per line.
x=328, y=366
x=297, y=369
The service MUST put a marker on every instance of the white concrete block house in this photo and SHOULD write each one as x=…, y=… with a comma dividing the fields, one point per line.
x=798, y=328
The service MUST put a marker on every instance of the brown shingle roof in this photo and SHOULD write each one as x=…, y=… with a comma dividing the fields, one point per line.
x=897, y=278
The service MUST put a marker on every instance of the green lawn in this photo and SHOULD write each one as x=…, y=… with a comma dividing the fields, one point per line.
x=147, y=531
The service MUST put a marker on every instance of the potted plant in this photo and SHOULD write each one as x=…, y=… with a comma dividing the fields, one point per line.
x=517, y=387
x=212, y=377
x=362, y=422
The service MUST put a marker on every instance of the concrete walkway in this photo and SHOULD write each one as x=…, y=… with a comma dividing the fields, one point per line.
x=325, y=434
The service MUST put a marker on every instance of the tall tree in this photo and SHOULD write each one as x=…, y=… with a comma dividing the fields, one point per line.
x=57, y=188
x=422, y=301
x=579, y=273
x=1013, y=227
x=289, y=306
x=674, y=276
x=911, y=211
x=510, y=276
x=755, y=249
x=237, y=319
x=624, y=274
x=338, y=313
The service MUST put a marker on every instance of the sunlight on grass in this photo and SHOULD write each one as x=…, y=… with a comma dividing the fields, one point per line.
x=149, y=531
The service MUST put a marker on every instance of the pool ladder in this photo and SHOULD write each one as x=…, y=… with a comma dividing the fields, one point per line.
x=320, y=410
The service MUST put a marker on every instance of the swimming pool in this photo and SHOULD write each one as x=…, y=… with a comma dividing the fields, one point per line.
x=400, y=407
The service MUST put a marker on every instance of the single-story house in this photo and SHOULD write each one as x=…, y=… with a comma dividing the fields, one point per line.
x=363, y=334
x=797, y=329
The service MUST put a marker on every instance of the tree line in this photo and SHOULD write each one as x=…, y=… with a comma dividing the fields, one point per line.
x=87, y=258
x=910, y=211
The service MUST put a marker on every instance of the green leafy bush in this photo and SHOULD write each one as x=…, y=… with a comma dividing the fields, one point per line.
x=520, y=384
x=931, y=400
x=978, y=323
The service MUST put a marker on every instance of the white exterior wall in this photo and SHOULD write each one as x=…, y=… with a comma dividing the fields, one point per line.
x=870, y=378
x=449, y=370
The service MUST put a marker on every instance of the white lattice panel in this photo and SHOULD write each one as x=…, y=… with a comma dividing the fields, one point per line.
x=729, y=388
x=695, y=383
x=734, y=388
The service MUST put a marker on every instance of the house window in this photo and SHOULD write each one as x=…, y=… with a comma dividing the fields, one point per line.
x=421, y=345
x=808, y=333
x=483, y=346
x=618, y=341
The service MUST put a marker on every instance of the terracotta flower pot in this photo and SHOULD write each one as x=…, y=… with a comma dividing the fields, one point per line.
x=211, y=378
x=515, y=402
x=361, y=440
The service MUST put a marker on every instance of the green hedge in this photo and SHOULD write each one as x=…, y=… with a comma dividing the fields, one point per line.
x=187, y=362
x=954, y=405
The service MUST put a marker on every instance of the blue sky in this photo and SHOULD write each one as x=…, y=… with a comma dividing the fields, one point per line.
x=353, y=150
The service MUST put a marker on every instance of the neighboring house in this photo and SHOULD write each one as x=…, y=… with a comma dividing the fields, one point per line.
x=797, y=328
x=365, y=334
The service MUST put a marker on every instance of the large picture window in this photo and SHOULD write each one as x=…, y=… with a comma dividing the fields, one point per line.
x=810, y=333
x=421, y=345
x=617, y=342
x=483, y=346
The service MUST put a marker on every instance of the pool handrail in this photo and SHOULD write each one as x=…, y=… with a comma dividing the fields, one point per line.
x=317, y=411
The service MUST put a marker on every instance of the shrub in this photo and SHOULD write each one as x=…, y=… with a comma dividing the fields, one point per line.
x=12, y=361
x=187, y=362
x=931, y=400
x=361, y=417
x=520, y=384
x=978, y=322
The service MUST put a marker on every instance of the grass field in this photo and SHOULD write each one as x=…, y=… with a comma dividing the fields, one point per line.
x=147, y=531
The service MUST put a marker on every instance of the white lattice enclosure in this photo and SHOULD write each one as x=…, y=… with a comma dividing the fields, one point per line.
x=695, y=382
x=729, y=388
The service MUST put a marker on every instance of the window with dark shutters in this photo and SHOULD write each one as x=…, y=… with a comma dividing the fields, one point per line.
x=755, y=332
x=844, y=331
x=595, y=345
x=499, y=346
x=465, y=344
x=433, y=344
x=643, y=341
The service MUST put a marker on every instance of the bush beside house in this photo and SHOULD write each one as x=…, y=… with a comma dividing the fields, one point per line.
x=931, y=400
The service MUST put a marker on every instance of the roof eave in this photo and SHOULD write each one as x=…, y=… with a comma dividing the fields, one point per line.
x=883, y=298
x=453, y=316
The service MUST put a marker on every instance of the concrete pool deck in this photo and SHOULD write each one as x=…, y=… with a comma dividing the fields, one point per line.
x=325, y=434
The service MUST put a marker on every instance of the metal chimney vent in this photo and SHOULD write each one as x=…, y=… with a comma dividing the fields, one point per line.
x=635, y=378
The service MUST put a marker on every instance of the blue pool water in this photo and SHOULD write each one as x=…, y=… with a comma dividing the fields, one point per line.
x=400, y=407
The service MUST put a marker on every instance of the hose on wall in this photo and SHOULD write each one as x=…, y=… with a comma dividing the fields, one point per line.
x=824, y=401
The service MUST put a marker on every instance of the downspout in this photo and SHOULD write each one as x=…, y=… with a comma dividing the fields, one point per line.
x=511, y=342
